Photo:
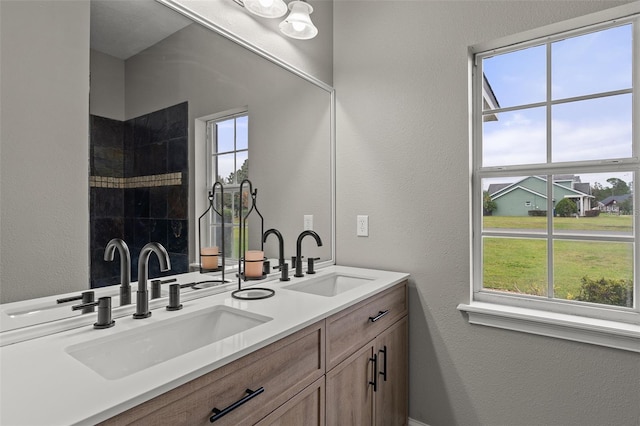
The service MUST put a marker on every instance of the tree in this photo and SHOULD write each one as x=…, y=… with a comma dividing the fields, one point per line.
x=600, y=192
x=488, y=205
x=566, y=207
x=618, y=186
x=626, y=206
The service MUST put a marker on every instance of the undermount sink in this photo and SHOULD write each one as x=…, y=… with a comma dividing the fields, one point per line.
x=128, y=352
x=329, y=285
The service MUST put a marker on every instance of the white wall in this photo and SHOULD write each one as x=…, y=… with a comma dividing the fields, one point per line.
x=44, y=189
x=400, y=73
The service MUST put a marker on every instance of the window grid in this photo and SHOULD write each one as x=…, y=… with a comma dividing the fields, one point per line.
x=550, y=169
x=232, y=189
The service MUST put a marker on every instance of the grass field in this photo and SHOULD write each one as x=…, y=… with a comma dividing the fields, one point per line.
x=520, y=265
x=600, y=223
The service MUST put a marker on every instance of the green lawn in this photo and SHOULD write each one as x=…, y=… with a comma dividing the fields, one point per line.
x=600, y=223
x=520, y=265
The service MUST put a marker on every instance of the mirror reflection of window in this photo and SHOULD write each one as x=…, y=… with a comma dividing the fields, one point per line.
x=228, y=146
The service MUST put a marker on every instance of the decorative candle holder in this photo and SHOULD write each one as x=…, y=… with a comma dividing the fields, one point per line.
x=209, y=255
x=253, y=265
x=209, y=258
x=250, y=267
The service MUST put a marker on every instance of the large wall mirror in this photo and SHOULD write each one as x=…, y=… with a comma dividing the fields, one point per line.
x=158, y=80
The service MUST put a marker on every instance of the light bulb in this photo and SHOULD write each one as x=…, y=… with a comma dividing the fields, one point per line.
x=298, y=24
x=266, y=8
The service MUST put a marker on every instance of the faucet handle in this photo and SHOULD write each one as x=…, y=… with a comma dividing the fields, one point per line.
x=86, y=297
x=174, y=297
x=104, y=312
x=284, y=271
x=310, y=265
x=156, y=291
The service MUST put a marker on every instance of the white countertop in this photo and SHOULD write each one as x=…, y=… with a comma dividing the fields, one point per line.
x=41, y=384
x=45, y=315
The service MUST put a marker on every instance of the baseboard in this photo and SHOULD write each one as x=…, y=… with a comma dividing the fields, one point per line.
x=416, y=423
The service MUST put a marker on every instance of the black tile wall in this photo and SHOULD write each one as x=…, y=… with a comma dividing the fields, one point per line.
x=106, y=146
x=178, y=155
x=152, y=144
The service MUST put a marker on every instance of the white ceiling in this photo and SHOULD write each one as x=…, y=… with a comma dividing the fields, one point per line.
x=123, y=28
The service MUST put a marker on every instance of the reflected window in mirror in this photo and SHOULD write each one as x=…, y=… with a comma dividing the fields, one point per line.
x=228, y=163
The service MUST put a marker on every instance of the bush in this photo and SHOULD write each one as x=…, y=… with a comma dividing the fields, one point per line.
x=566, y=208
x=488, y=205
x=592, y=213
x=537, y=212
x=606, y=291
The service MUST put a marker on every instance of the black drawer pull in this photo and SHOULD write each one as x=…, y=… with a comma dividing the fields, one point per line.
x=380, y=315
x=217, y=414
x=375, y=372
x=384, y=363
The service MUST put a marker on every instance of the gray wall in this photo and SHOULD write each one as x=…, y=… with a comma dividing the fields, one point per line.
x=400, y=73
x=107, y=86
x=289, y=126
x=44, y=185
x=44, y=208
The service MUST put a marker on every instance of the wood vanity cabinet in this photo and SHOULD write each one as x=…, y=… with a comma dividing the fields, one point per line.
x=283, y=369
x=307, y=408
x=322, y=374
x=369, y=383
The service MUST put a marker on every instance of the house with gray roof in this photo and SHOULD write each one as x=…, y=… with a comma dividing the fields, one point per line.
x=612, y=203
x=530, y=193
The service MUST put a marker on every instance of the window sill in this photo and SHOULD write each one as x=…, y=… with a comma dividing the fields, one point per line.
x=562, y=326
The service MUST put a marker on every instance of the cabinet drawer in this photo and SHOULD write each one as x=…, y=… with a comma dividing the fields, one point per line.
x=282, y=369
x=352, y=328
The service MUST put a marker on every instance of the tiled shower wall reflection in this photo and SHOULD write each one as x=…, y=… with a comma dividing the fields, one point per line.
x=139, y=188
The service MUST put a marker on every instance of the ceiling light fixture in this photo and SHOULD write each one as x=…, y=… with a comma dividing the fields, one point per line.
x=266, y=8
x=297, y=25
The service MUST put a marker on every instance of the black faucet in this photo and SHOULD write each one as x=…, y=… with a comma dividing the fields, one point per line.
x=142, y=296
x=299, y=250
x=280, y=244
x=284, y=269
x=125, y=267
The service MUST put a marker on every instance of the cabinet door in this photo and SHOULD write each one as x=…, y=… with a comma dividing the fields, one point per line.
x=349, y=393
x=392, y=393
x=306, y=408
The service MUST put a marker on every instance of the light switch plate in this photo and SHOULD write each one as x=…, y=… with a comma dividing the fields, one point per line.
x=308, y=222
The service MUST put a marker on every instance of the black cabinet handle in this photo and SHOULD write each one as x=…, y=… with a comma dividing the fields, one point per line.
x=384, y=363
x=217, y=414
x=380, y=315
x=375, y=372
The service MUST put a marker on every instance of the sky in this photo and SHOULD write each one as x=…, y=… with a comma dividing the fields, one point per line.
x=591, y=129
x=229, y=163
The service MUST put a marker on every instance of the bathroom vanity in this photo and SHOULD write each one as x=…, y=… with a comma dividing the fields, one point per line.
x=325, y=348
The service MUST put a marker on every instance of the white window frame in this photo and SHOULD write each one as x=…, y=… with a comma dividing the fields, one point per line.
x=212, y=153
x=589, y=323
